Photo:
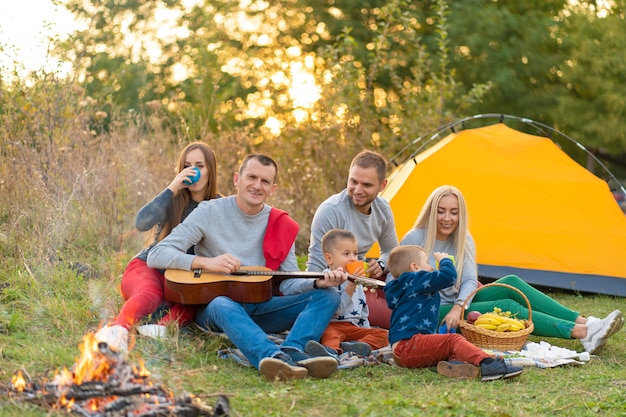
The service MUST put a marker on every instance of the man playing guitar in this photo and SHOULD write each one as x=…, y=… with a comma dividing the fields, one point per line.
x=230, y=232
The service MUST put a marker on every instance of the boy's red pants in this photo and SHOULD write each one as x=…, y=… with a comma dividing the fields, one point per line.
x=342, y=331
x=426, y=350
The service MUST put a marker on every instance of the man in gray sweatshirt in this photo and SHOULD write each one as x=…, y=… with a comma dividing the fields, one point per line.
x=231, y=232
x=360, y=210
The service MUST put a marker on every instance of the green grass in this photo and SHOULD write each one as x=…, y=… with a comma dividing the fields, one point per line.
x=73, y=194
x=45, y=311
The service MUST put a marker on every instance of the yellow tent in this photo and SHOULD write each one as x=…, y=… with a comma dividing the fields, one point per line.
x=533, y=211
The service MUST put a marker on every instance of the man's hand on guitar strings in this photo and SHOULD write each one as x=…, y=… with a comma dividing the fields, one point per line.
x=223, y=263
x=332, y=278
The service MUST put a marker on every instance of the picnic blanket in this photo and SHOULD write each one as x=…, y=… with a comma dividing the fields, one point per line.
x=540, y=355
x=347, y=360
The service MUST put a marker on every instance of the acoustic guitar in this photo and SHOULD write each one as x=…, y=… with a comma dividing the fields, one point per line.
x=250, y=284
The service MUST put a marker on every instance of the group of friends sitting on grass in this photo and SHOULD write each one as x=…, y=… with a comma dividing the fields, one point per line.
x=193, y=227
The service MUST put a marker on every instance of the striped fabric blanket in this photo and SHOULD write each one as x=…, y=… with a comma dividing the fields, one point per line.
x=346, y=360
x=541, y=355
x=526, y=357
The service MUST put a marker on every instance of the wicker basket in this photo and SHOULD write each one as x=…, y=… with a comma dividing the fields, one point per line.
x=490, y=339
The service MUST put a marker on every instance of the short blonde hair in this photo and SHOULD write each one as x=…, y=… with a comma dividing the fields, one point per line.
x=401, y=258
x=331, y=239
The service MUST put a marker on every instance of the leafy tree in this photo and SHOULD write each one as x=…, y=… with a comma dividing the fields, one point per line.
x=510, y=45
x=240, y=64
x=535, y=55
x=521, y=49
x=125, y=65
x=592, y=99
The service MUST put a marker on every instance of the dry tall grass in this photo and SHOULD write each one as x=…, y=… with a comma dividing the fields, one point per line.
x=73, y=176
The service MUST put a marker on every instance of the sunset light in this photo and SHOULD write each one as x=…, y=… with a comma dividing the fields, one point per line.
x=26, y=28
x=29, y=26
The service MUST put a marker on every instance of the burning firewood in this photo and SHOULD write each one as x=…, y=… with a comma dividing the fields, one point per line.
x=102, y=384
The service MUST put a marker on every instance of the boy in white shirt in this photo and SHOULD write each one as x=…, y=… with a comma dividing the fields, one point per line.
x=349, y=329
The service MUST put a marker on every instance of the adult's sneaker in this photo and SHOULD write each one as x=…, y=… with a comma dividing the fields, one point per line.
x=360, y=348
x=154, y=331
x=318, y=367
x=455, y=369
x=598, y=331
x=490, y=370
x=281, y=368
x=614, y=321
x=316, y=349
x=115, y=336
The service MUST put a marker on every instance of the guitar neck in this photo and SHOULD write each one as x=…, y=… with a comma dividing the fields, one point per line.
x=308, y=274
x=291, y=274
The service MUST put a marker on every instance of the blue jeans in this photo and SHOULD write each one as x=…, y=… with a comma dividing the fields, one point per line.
x=306, y=315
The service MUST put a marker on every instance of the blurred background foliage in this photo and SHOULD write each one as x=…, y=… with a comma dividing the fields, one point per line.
x=309, y=82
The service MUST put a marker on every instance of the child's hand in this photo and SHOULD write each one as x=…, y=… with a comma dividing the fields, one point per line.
x=440, y=255
x=357, y=268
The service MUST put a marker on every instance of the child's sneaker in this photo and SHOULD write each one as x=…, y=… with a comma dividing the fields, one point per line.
x=454, y=369
x=491, y=370
x=316, y=349
x=115, y=336
x=281, y=368
x=360, y=348
x=318, y=367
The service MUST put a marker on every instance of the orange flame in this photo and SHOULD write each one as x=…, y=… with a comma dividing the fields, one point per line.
x=142, y=371
x=94, y=364
x=66, y=403
x=94, y=404
x=64, y=378
x=91, y=365
x=18, y=381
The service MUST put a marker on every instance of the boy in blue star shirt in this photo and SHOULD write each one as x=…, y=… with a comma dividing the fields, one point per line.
x=414, y=300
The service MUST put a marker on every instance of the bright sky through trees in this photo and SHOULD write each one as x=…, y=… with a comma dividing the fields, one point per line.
x=25, y=26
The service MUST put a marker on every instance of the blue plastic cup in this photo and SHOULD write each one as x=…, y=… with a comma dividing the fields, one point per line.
x=194, y=179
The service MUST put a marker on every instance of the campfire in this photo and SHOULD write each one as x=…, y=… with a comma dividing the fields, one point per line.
x=103, y=384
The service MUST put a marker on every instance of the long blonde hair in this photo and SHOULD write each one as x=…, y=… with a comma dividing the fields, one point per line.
x=427, y=220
